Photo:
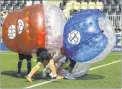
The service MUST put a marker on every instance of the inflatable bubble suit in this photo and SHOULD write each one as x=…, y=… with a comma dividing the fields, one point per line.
x=55, y=21
x=88, y=36
x=35, y=26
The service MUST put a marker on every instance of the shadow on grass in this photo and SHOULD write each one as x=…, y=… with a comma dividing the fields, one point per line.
x=90, y=77
x=13, y=73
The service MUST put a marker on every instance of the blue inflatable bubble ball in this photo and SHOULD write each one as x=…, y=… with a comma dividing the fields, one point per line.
x=88, y=36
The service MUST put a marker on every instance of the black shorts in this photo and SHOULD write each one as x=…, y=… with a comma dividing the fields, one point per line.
x=23, y=56
x=43, y=54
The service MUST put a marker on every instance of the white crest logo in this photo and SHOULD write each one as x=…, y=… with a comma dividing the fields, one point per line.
x=74, y=37
x=12, y=32
x=20, y=26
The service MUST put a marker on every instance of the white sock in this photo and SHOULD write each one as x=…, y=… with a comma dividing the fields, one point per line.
x=53, y=75
x=29, y=75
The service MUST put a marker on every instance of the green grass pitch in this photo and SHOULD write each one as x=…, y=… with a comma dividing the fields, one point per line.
x=104, y=77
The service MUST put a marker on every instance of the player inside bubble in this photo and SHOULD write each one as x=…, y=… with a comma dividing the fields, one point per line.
x=88, y=36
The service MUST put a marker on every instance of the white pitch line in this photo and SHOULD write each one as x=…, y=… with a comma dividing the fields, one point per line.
x=104, y=65
x=40, y=84
x=55, y=79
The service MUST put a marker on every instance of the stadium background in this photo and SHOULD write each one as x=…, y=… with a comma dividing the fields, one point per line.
x=112, y=9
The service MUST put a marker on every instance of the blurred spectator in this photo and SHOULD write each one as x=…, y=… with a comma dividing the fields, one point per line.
x=99, y=5
x=118, y=30
x=29, y=2
x=76, y=6
x=92, y=5
x=67, y=13
x=37, y=2
x=4, y=14
x=84, y=6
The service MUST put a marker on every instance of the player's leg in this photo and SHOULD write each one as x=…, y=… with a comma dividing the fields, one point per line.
x=19, y=67
x=33, y=71
x=60, y=62
x=28, y=58
x=71, y=65
x=48, y=63
x=21, y=57
x=36, y=68
x=59, y=66
x=46, y=67
x=29, y=66
x=46, y=70
x=46, y=56
x=69, y=72
x=52, y=67
x=40, y=58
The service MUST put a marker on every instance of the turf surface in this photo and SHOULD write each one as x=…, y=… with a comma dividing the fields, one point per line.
x=105, y=77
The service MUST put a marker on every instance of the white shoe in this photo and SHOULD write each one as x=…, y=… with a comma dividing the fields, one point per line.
x=69, y=76
x=29, y=78
x=52, y=76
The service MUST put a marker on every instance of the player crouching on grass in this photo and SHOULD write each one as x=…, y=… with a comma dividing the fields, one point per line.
x=67, y=74
x=43, y=56
x=60, y=59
